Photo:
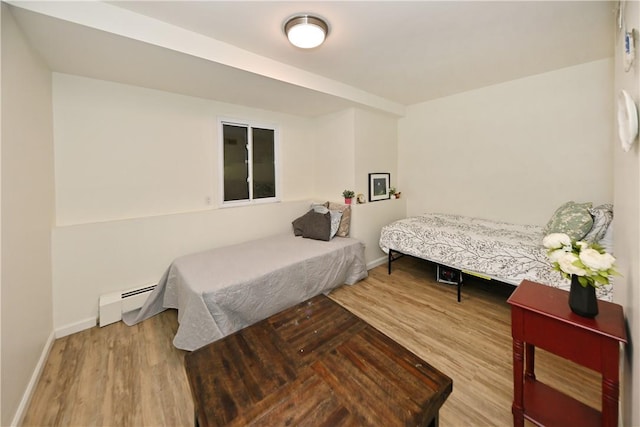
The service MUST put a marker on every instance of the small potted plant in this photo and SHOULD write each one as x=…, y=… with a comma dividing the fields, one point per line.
x=348, y=195
x=392, y=192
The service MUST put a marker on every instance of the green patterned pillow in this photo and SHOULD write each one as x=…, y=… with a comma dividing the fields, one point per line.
x=572, y=219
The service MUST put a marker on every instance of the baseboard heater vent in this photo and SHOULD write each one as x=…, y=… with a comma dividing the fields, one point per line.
x=112, y=305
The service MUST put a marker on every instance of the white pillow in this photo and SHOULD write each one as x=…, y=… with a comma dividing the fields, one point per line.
x=336, y=216
x=319, y=208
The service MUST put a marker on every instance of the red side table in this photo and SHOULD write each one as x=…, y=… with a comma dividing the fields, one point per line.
x=541, y=317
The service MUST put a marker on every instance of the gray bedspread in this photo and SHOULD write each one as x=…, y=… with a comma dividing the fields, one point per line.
x=223, y=290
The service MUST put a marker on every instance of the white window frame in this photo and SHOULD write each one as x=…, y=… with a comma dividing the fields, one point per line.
x=276, y=161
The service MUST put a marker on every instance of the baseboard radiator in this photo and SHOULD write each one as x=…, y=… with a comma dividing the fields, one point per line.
x=112, y=305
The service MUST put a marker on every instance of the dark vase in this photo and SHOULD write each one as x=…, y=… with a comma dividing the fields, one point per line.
x=582, y=299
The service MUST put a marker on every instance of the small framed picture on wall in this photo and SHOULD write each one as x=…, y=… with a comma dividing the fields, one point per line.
x=379, y=186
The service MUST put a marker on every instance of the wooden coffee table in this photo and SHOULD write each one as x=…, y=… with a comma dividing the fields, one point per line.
x=313, y=364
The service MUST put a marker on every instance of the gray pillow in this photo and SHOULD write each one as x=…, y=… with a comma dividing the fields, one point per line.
x=571, y=218
x=298, y=223
x=317, y=226
x=313, y=225
x=336, y=216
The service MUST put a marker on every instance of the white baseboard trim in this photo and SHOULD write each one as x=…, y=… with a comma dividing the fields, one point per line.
x=76, y=327
x=377, y=262
x=33, y=382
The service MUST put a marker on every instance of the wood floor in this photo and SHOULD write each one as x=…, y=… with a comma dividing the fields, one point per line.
x=133, y=376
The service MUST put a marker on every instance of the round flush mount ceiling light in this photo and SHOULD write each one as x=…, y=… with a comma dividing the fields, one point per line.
x=306, y=31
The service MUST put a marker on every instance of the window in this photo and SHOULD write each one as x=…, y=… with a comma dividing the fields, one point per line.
x=248, y=163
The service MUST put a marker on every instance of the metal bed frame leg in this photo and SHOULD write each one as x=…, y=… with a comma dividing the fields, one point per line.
x=390, y=259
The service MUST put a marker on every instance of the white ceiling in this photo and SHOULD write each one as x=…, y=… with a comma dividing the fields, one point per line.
x=383, y=55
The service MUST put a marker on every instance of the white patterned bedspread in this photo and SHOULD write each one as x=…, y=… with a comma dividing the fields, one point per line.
x=506, y=252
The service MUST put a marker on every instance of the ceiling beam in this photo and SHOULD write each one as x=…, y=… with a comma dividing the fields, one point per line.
x=125, y=23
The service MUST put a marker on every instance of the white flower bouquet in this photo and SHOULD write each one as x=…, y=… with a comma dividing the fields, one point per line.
x=588, y=261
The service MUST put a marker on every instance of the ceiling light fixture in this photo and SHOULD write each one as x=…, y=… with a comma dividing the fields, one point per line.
x=306, y=31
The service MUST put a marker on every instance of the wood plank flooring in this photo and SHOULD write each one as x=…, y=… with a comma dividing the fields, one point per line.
x=115, y=376
x=133, y=376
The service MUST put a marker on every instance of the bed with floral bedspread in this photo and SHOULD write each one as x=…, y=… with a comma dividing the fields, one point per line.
x=502, y=251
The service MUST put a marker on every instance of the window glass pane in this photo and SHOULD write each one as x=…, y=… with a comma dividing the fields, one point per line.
x=264, y=173
x=236, y=168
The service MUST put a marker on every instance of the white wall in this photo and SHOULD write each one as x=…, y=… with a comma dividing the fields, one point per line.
x=134, y=168
x=126, y=152
x=27, y=216
x=367, y=221
x=350, y=145
x=376, y=150
x=93, y=259
x=627, y=228
x=334, y=155
x=513, y=151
